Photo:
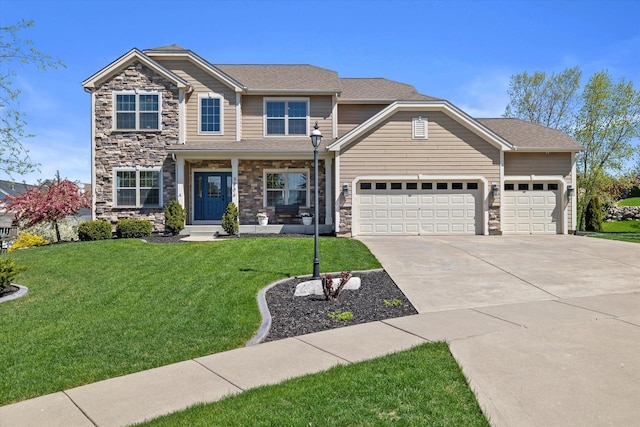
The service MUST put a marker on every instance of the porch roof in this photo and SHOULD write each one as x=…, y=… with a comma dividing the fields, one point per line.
x=266, y=145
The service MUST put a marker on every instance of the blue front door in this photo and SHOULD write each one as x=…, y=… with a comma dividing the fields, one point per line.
x=212, y=193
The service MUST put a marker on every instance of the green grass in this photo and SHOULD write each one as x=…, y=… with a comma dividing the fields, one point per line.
x=631, y=201
x=627, y=231
x=419, y=387
x=97, y=310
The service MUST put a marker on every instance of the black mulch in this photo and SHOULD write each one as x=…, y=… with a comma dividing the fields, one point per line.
x=293, y=316
x=9, y=290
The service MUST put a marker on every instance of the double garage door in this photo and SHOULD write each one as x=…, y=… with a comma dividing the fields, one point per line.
x=530, y=208
x=417, y=208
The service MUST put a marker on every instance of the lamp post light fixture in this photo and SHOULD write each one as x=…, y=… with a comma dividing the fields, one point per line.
x=316, y=138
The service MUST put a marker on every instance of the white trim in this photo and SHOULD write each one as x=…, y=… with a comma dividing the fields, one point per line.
x=286, y=100
x=574, y=199
x=180, y=196
x=137, y=112
x=137, y=169
x=235, y=195
x=501, y=186
x=182, y=115
x=334, y=115
x=93, y=156
x=285, y=171
x=421, y=177
x=336, y=202
x=423, y=106
x=328, y=165
x=211, y=95
x=238, y=117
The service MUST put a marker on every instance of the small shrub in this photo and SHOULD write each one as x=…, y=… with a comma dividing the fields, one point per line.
x=9, y=269
x=26, y=240
x=94, y=230
x=595, y=215
x=340, y=315
x=174, y=217
x=331, y=293
x=393, y=302
x=230, y=220
x=133, y=228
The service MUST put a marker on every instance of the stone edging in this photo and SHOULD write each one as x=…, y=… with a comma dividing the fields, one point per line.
x=265, y=326
x=21, y=292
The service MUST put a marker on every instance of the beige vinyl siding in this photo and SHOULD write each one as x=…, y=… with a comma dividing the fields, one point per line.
x=351, y=115
x=203, y=82
x=526, y=164
x=253, y=110
x=450, y=149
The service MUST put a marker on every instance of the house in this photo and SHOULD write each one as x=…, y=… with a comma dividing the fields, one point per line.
x=167, y=124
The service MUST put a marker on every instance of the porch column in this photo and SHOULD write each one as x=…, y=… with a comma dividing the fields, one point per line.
x=180, y=180
x=234, y=182
x=328, y=166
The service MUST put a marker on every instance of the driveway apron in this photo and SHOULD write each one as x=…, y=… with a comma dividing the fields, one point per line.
x=546, y=328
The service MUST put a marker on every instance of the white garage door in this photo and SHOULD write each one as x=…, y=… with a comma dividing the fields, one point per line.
x=417, y=208
x=530, y=208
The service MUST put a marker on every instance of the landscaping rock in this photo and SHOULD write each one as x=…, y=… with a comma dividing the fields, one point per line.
x=615, y=213
x=314, y=287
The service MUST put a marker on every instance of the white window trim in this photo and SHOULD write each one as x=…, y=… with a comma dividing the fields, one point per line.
x=286, y=117
x=415, y=129
x=210, y=95
x=137, y=170
x=136, y=92
x=264, y=184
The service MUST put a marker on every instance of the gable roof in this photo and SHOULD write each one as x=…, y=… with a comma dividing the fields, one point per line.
x=527, y=136
x=10, y=188
x=283, y=78
x=423, y=106
x=126, y=59
x=378, y=89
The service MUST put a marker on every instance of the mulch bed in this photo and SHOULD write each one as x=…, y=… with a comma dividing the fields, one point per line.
x=11, y=289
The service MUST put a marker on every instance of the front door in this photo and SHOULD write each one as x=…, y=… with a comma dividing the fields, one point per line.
x=212, y=193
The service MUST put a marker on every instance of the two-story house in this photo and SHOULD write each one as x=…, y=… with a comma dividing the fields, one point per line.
x=167, y=124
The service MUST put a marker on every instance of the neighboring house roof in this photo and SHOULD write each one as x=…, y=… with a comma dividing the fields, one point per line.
x=283, y=78
x=527, y=136
x=6, y=219
x=284, y=145
x=9, y=188
x=378, y=89
x=418, y=106
x=124, y=61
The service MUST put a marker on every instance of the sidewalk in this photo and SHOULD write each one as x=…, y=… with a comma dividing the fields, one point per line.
x=563, y=362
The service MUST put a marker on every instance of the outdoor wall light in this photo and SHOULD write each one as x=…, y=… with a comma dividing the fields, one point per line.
x=495, y=190
x=345, y=189
x=570, y=190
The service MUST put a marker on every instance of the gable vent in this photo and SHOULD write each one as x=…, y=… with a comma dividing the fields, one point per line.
x=420, y=125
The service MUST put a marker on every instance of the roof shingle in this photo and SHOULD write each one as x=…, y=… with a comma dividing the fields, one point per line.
x=282, y=77
x=379, y=89
x=525, y=134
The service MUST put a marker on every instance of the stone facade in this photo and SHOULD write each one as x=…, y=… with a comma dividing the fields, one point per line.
x=130, y=149
x=345, y=221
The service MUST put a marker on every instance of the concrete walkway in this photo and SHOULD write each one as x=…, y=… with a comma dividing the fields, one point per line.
x=539, y=349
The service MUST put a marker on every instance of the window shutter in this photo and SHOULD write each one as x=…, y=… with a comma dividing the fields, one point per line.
x=420, y=128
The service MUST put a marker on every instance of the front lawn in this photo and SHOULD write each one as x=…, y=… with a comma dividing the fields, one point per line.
x=628, y=231
x=419, y=387
x=97, y=310
x=631, y=201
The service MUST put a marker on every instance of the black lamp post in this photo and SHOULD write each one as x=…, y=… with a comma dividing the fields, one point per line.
x=316, y=138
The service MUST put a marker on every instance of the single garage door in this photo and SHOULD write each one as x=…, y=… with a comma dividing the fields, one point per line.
x=530, y=208
x=416, y=208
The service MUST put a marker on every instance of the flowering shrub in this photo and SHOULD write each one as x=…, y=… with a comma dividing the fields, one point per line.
x=332, y=293
x=68, y=228
x=263, y=215
x=26, y=240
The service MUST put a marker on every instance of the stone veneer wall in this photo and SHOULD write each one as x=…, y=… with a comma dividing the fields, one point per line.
x=251, y=187
x=129, y=149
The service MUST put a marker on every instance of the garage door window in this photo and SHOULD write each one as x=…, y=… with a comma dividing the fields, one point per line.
x=427, y=186
x=509, y=187
x=381, y=185
x=472, y=186
x=456, y=186
x=412, y=185
x=396, y=186
x=538, y=187
x=442, y=186
x=552, y=187
x=365, y=186
x=523, y=187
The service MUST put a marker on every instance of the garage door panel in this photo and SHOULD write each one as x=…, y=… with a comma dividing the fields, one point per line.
x=530, y=212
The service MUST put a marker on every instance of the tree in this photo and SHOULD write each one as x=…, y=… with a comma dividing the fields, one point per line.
x=604, y=119
x=549, y=101
x=50, y=202
x=14, y=157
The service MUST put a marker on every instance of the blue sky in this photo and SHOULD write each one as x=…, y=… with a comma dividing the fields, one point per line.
x=462, y=51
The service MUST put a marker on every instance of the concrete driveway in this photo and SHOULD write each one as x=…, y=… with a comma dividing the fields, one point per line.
x=546, y=329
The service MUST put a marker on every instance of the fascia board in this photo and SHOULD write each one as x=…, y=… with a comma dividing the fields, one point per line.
x=121, y=62
x=547, y=150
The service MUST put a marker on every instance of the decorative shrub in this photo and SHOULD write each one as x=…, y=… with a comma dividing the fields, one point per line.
x=174, y=217
x=595, y=215
x=332, y=293
x=94, y=230
x=133, y=228
x=68, y=228
x=230, y=220
x=9, y=269
x=26, y=240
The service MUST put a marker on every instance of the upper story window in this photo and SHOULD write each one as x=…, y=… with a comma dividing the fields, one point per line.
x=286, y=116
x=137, y=187
x=210, y=117
x=138, y=110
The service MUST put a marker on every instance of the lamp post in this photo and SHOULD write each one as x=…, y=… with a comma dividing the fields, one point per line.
x=316, y=138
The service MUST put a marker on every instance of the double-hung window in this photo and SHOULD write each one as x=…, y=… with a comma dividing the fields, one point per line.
x=138, y=110
x=138, y=187
x=286, y=116
x=210, y=117
x=287, y=188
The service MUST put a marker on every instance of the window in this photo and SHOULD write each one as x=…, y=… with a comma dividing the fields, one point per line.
x=509, y=187
x=138, y=110
x=456, y=186
x=138, y=187
x=286, y=117
x=441, y=186
x=381, y=185
x=396, y=186
x=472, y=186
x=365, y=186
x=419, y=128
x=412, y=185
x=210, y=113
x=552, y=187
x=538, y=187
x=427, y=186
x=287, y=188
x=523, y=187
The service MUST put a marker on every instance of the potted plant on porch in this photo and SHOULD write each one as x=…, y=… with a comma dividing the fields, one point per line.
x=307, y=218
x=263, y=218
